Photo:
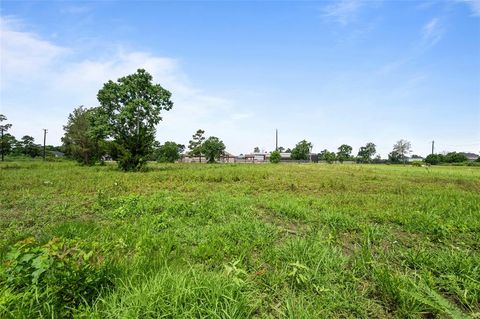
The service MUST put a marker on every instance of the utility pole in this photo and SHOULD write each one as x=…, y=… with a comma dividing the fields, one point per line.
x=276, y=139
x=44, y=141
x=433, y=146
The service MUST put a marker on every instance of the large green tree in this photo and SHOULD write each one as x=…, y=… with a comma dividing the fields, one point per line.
x=4, y=142
x=213, y=148
x=80, y=141
x=129, y=110
x=365, y=153
x=195, y=144
x=301, y=151
x=169, y=152
x=344, y=153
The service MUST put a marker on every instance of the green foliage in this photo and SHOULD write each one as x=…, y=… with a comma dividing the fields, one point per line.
x=129, y=111
x=301, y=151
x=365, y=153
x=62, y=274
x=169, y=152
x=213, y=148
x=275, y=157
x=80, y=141
x=28, y=146
x=327, y=156
x=344, y=153
x=432, y=159
x=195, y=144
x=452, y=157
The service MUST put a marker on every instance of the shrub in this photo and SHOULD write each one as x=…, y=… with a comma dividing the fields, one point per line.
x=54, y=278
x=432, y=159
x=417, y=164
x=275, y=157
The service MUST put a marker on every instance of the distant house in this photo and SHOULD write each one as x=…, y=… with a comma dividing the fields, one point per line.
x=255, y=158
x=470, y=156
x=225, y=158
x=414, y=158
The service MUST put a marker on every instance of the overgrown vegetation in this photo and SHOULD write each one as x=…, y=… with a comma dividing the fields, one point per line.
x=239, y=241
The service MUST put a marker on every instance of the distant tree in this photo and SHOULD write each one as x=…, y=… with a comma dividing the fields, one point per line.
x=344, y=152
x=288, y=150
x=281, y=149
x=130, y=108
x=394, y=157
x=29, y=147
x=275, y=157
x=80, y=141
x=330, y=157
x=301, y=151
x=327, y=156
x=213, y=148
x=454, y=157
x=432, y=159
x=170, y=152
x=4, y=142
x=7, y=144
x=256, y=149
x=366, y=152
x=195, y=144
x=402, y=148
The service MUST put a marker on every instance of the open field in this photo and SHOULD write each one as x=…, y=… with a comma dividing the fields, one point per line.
x=240, y=241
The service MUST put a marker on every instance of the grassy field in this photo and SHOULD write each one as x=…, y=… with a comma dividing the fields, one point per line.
x=239, y=241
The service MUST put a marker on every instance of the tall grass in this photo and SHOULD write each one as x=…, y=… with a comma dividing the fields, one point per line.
x=254, y=241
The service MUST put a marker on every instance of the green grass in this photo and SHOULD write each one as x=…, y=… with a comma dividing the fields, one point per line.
x=254, y=241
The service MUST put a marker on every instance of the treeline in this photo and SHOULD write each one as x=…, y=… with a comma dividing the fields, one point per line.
x=452, y=157
x=365, y=154
x=23, y=147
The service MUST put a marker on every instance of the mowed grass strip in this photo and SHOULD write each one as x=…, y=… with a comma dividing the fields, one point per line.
x=241, y=241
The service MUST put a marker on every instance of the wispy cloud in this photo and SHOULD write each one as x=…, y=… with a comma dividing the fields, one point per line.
x=432, y=31
x=343, y=11
x=474, y=6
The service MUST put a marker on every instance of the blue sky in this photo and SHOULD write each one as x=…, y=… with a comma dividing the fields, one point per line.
x=330, y=72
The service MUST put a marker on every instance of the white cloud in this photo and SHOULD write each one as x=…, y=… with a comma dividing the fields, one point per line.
x=41, y=82
x=343, y=11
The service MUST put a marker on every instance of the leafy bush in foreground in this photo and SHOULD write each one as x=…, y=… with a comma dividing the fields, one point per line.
x=54, y=278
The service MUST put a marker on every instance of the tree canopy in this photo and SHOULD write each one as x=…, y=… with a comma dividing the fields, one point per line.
x=365, y=153
x=213, y=148
x=195, y=144
x=344, y=153
x=400, y=150
x=5, y=143
x=80, y=141
x=129, y=110
x=170, y=152
x=301, y=151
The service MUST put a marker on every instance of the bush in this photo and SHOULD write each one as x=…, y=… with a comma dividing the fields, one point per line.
x=54, y=278
x=275, y=157
x=432, y=159
x=417, y=164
